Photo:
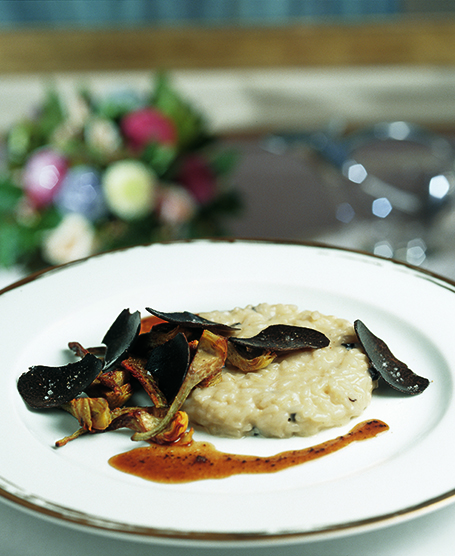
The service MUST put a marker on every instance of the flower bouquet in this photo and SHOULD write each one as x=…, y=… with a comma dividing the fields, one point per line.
x=96, y=174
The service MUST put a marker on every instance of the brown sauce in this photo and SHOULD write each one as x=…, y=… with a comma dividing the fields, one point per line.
x=180, y=463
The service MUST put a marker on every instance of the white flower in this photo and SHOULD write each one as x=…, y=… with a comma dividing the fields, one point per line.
x=63, y=134
x=77, y=110
x=73, y=238
x=129, y=189
x=102, y=135
x=176, y=206
x=77, y=113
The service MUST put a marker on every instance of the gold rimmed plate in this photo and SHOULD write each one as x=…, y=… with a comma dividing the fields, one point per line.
x=398, y=475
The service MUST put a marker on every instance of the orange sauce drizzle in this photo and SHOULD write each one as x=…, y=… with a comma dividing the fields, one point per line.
x=181, y=463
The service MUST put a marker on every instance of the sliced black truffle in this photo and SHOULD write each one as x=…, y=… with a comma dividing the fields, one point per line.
x=284, y=337
x=396, y=373
x=46, y=387
x=159, y=334
x=168, y=364
x=190, y=320
x=118, y=339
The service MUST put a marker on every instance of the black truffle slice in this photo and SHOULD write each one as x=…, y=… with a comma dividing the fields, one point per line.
x=168, y=364
x=46, y=387
x=284, y=337
x=118, y=339
x=190, y=320
x=396, y=373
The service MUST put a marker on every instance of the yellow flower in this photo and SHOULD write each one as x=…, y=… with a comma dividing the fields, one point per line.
x=129, y=189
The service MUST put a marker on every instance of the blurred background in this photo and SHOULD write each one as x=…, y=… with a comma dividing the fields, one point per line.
x=316, y=120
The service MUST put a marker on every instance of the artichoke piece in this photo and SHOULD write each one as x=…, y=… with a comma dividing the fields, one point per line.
x=64, y=441
x=119, y=396
x=95, y=416
x=114, y=379
x=282, y=337
x=396, y=373
x=206, y=364
x=113, y=385
x=247, y=360
x=176, y=430
x=139, y=419
x=252, y=354
x=136, y=366
x=80, y=350
x=190, y=320
x=120, y=336
x=46, y=387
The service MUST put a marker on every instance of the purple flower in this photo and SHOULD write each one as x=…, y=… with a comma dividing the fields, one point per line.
x=198, y=178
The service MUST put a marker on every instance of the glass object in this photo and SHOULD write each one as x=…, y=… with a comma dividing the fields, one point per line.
x=394, y=190
x=399, y=178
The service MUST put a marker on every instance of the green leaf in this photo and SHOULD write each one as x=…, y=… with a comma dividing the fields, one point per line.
x=159, y=157
x=9, y=196
x=22, y=243
x=9, y=244
x=117, y=105
x=51, y=114
x=19, y=142
x=30, y=134
x=224, y=162
x=190, y=124
x=49, y=219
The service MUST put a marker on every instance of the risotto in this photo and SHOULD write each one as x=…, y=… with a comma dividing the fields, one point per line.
x=297, y=394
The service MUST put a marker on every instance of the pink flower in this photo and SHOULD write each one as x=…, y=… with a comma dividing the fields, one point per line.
x=176, y=205
x=148, y=125
x=198, y=178
x=43, y=176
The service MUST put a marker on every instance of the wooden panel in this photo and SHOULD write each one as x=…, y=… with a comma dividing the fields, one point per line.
x=401, y=42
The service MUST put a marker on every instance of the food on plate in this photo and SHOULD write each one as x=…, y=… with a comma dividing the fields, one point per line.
x=182, y=462
x=297, y=393
x=269, y=369
x=46, y=387
x=396, y=373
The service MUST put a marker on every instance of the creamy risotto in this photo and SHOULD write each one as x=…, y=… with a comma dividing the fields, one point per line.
x=297, y=394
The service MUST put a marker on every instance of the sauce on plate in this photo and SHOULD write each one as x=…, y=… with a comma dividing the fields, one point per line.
x=181, y=463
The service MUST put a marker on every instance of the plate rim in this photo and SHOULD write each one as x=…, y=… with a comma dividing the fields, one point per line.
x=228, y=240
x=94, y=524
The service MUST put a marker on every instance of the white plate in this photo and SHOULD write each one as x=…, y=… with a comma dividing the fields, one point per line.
x=395, y=476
